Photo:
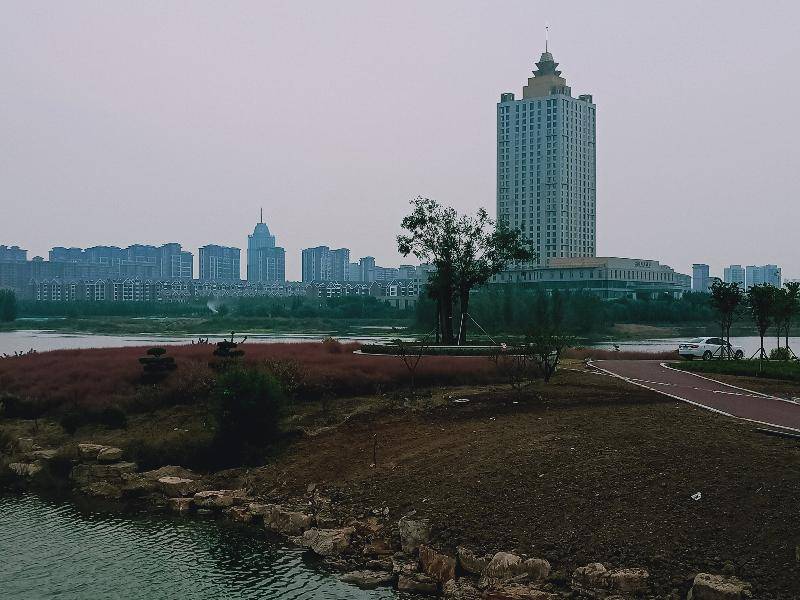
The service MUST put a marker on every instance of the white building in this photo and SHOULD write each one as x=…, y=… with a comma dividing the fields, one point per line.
x=546, y=165
x=734, y=274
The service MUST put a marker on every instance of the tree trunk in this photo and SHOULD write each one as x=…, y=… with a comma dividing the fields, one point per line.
x=447, y=317
x=464, y=305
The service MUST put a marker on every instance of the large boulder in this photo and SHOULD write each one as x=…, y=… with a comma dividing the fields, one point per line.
x=589, y=578
x=328, y=542
x=44, y=455
x=368, y=580
x=109, y=454
x=170, y=471
x=285, y=521
x=471, y=563
x=90, y=451
x=103, y=489
x=177, y=486
x=180, y=505
x=460, y=589
x=506, y=566
x=439, y=566
x=627, y=581
x=717, y=587
x=417, y=583
x=414, y=531
x=86, y=474
x=218, y=499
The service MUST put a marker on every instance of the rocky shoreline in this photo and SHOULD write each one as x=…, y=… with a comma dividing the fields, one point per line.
x=369, y=549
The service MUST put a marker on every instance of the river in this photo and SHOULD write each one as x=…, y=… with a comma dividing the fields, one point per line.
x=42, y=341
x=53, y=549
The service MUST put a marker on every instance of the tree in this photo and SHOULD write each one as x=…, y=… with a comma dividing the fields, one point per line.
x=432, y=237
x=465, y=250
x=8, y=306
x=760, y=303
x=787, y=307
x=725, y=300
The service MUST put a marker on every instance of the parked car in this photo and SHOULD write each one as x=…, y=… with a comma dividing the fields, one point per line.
x=708, y=348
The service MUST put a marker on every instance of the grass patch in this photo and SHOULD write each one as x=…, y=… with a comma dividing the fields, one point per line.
x=785, y=370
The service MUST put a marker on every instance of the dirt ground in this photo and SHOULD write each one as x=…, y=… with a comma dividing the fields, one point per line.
x=585, y=469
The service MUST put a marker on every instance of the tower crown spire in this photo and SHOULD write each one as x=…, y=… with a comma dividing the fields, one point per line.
x=261, y=217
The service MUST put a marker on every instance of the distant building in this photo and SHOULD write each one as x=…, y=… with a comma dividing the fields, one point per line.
x=546, y=165
x=769, y=274
x=735, y=274
x=323, y=264
x=606, y=277
x=700, y=278
x=12, y=254
x=265, y=260
x=168, y=261
x=367, y=267
x=354, y=271
x=219, y=263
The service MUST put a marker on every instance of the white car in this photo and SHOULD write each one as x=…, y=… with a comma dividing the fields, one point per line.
x=708, y=348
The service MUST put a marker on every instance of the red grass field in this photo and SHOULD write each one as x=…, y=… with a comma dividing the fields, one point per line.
x=95, y=378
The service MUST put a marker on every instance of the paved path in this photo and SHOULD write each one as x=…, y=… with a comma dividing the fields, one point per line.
x=713, y=395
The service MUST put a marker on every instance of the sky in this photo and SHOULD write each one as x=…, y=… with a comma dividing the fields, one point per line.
x=151, y=122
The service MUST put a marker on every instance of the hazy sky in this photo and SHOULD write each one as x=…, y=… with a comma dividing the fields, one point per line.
x=149, y=122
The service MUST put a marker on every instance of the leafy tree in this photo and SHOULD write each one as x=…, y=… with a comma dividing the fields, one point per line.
x=725, y=300
x=465, y=250
x=547, y=347
x=760, y=303
x=8, y=306
x=432, y=237
x=787, y=306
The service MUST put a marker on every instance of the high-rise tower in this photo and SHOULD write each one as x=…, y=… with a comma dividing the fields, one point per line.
x=546, y=164
x=265, y=260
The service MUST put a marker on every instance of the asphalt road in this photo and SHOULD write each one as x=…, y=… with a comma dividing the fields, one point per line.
x=704, y=392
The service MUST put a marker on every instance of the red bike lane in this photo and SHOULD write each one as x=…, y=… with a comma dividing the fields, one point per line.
x=707, y=393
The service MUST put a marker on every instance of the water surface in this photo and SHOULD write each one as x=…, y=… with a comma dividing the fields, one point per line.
x=52, y=549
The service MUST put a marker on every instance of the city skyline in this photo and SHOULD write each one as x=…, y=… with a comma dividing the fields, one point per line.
x=103, y=146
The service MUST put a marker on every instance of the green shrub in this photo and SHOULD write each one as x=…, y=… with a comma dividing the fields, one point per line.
x=247, y=405
x=193, y=451
x=111, y=417
x=779, y=354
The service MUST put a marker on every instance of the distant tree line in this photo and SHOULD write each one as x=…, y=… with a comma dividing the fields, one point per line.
x=8, y=306
x=519, y=307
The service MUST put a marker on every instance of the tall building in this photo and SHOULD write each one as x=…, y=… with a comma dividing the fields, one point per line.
x=265, y=260
x=168, y=261
x=219, y=263
x=734, y=274
x=12, y=254
x=701, y=281
x=546, y=163
x=770, y=274
x=323, y=264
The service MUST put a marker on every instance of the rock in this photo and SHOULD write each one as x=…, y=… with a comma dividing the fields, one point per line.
x=413, y=532
x=514, y=591
x=417, y=583
x=717, y=587
x=109, y=454
x=180, y=505
x=286, y=522
x=460, y=589
x=84, y=474
x=439, y=566
x=378, y=547
x=469, y=562
x=170, y=471
x=589, y=578
x=404, y=565
x=629, y=581
x=136, y=485
x=218, y=499
x=25, y=469
x=505, y=566
x=44, y=455
x=367, y=580
x=379, y=565
x=90, y=451
x=327, y=520
x=240, y=514
x=103, y=489
x=177, y=486
x=328, y=542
